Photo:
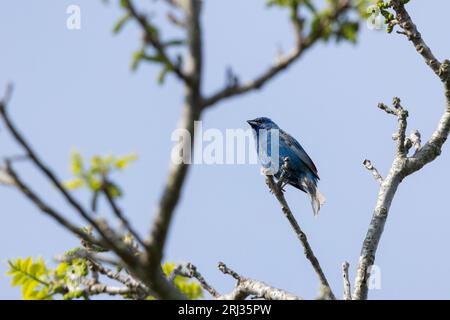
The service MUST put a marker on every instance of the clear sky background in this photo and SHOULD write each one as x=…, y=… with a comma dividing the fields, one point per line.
x=75, y=89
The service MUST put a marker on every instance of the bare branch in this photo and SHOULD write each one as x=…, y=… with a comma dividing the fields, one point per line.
x=409, y=29
x=39, y=203
x=118, y=213
x=387, y=109
x=403, y=165
x=414, y=140
x=300, y=234
x=110, y=290
x=153, y=40
x=151, y=275
x=84, y=253
x=402, y=116
x=190, y=271
x=5, y=178
x=347, y=286
x=248, y=287
x=302, y=44
x=388, y=187
x=95, y=262
x=173, y=3
x=127, y=280
x=373, y=170
x=54, y=180
x=178, y=171
x=7, y=96
x=176, y=21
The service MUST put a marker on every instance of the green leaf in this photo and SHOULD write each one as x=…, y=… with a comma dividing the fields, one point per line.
x=168, y=268
x=119, y=25
x=25, y=266
x=76, y=165
x=188, y=287
x=162, y=75
x=124, y=4
x=95, y=184
x=28, y=288
x=18, y=279
x=124, y=161
x=32, y=276
x=61, y=270
x=348, y=31
x=136, y=59
x=113, y=190
x=74, y=183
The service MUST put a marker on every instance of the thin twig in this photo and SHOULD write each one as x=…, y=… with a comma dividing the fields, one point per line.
x=300, y=234
x=52, y=177
x=368, y=164
x=403, y=165
x=347, y=286
x=127, y=280
x=178, y=171
x=191, y=113
x=301, y=45
x=402, y=116
x=190, y=271
x=118, y=212
x=153, y=40
x=252, y=288
x=39, y=203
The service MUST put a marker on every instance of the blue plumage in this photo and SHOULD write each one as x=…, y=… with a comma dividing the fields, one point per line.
x=301, y=173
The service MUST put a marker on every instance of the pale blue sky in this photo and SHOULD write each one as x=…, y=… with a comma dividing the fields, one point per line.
x=75, y=89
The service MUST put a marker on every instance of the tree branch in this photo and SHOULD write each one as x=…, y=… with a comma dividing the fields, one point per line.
x=410, y=30
x=248, y=287
x=5, y=178
x=127, y=280
x=138, y=265
x=135, y=286
x=99, y=288
x=302, y=44
x=190, y=271
x=118, y=213
x=178, y=171
x=152, y=39
x=298, y=231
x=39, y=203
x=347, y=286
x=373, y=170
x=403, y=165
x=54, y=180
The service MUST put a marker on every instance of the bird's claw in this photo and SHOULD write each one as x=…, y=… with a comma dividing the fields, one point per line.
x=281, y=185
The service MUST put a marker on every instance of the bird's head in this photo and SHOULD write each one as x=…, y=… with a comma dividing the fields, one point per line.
x=262, y=123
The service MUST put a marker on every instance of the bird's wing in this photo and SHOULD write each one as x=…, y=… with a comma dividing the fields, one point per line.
x=299, y=151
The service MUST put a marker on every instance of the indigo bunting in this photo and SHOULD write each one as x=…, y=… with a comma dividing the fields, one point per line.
x=301, y=172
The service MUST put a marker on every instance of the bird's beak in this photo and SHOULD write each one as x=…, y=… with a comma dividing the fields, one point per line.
x=252, y=123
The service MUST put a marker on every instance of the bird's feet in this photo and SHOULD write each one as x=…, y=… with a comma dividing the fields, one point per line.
x=281, y=185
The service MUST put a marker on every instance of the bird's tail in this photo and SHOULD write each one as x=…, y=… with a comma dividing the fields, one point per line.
x=317, y=197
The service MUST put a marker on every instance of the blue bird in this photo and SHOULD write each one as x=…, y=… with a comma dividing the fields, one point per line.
x=301, y=172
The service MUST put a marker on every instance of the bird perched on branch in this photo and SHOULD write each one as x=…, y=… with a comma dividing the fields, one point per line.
x=300, y=172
